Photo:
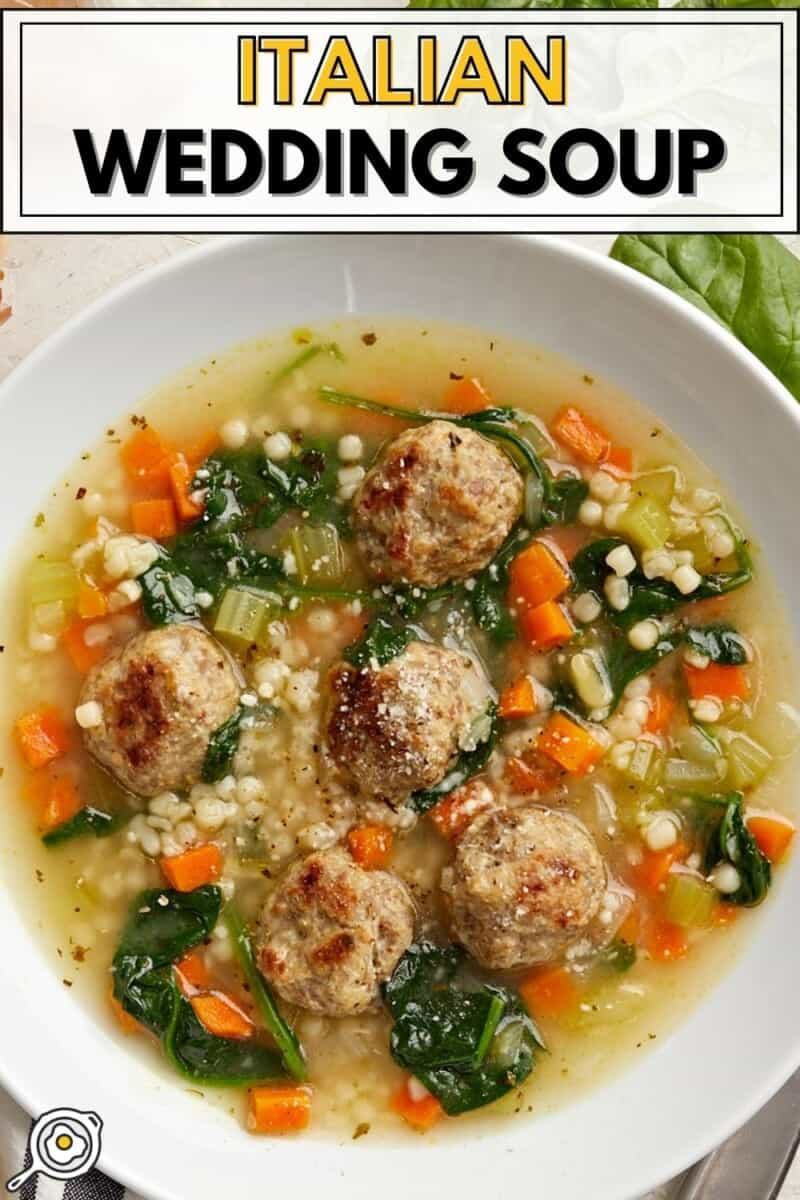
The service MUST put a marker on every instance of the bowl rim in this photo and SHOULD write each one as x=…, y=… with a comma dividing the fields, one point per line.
x=132, y=1173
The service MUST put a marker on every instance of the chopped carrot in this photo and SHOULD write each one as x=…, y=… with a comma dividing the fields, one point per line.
x=41, y=736
x=154, y=518
x=452, y=815
x=620, y=459
x=82, y=657
x=222, y=1016
x=201, y=448
x=666, y=941
x=371, y=845
x=59, y=802
x=536, y=576
x=127, y=1023
x=569, y=744
x=518, y=699
x=533, y=772
x=278, y=1108
x=582, y=435
x=145, y=458
x=662, y=706
x=180, y=479
x=192, y=973
x=92, y=602
x=421, y=1114
x=467, y=396
x=726, y=683
x=773, y=835
x=651, y=873
x=193, y=868
x=549, y=993
x=546, y=626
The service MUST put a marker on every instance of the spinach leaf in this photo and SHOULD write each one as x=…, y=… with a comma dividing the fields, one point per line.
x=720, y=643
x=620, y=956
x=734, y=843
x=750, y=283
x=468, y=1045
x=217, y=1061
x=222, y=747
x=382, y=641
x=567, y=495
x=490, y=610
x=625, y=664
x=162, y=926
x=168, y=595
x=88, y=820
x=292, y=1053
x=650, y=597
x=468, y=763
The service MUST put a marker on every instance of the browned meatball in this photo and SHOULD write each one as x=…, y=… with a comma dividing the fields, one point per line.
x=162, y=696
x=525, y=883
x=331, y=933
x=436, y=507
x=396, y=728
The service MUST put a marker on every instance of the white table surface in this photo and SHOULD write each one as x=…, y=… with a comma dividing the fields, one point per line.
x=50, y=278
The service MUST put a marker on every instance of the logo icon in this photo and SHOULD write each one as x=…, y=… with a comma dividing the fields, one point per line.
x=63, y=1144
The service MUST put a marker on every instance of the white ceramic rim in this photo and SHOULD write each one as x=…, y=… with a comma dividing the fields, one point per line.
x=131, y=1167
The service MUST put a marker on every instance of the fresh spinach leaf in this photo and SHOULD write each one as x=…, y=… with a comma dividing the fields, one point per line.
x=733, y=843
x=292, y=1053
x=382, y=641
x=87, y=821
x=625, y=664
x=222, y=747
x=750, y=283
x=468, y=763
x=451, y=1029
x=487, y=599
x=720, y=643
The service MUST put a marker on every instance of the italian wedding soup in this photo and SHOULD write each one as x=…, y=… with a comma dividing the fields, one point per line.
x=400, y=722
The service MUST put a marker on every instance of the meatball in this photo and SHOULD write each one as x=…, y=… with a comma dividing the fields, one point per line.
x=436, y=507
x=332, y=932
x=525, y=883
x=162, y=696
x=396, y=728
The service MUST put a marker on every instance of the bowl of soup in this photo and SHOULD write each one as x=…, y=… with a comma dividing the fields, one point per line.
x=399, y=718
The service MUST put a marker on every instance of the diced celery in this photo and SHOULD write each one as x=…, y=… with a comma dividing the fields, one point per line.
x=646, y=762
x=611, y=1004
x=317, y=554
x=696, y=744
x=681, y=775
x=537, y=434
x=242, y=615
x=702, y=557
x=658, y=485
x=689, y=900
x=49, y=581
x=589, y=674
x=646, y=522
x=50, y=617
x=748, y=762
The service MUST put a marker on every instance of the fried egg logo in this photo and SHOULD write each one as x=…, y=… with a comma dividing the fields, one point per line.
x=64, y=1144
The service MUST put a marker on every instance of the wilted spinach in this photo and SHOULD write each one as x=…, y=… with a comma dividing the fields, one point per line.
x=222, y=747
x=732, y=842
x=162, y=926
x=382, y=641
x=87, y=821
x=720, y=643
x=624, y=664
x=469, y=1045
x=568, y=494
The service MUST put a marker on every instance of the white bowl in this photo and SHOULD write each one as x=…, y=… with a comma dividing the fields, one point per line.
x=738, y=1047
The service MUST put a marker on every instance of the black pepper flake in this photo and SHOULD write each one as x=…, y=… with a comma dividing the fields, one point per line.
x=39, y=876
x=67, y=982
x=454, y=376
x=369, y=339
x=81, y=492
x=588, y=379
x=361, y=1130
x=110, y=432
x=79, y=954
x=38, y=520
